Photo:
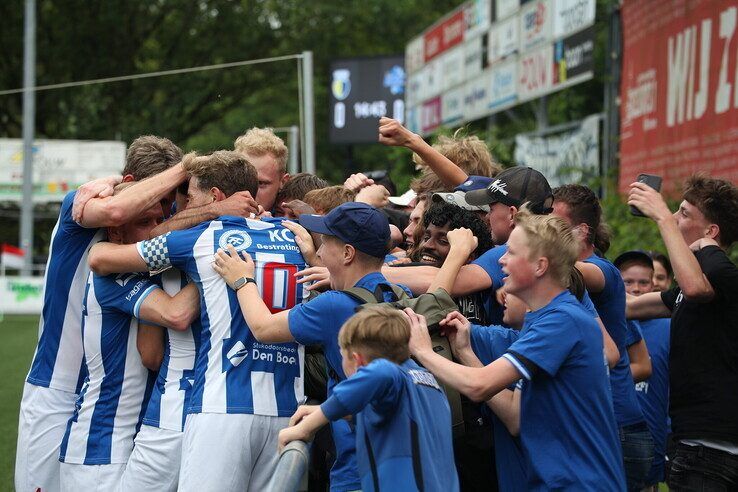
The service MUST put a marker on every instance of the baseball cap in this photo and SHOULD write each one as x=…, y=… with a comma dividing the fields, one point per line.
x=634, y=255
x=358, y=224
x=474, y=183
x=404, y=199
x=457, y=198
x=514, y=187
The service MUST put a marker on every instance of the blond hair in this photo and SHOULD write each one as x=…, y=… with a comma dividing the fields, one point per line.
x=377, y=332
x=262, y=141
x=469, y=153
x=550, y=237
x=324, y=200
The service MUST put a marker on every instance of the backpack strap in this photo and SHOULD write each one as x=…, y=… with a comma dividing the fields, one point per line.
x=365, y=296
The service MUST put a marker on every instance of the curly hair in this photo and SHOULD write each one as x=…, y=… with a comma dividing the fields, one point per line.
x=441, y=214
x=717, y=199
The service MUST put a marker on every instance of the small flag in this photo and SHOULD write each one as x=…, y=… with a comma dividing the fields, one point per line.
x=11, y=256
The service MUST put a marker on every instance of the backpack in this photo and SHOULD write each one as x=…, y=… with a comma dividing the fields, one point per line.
x=434, y=306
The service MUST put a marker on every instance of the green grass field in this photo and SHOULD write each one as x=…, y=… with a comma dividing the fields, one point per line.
x=19, y=335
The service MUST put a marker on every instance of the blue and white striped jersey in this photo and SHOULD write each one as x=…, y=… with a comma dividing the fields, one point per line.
x=234, y=373
x=173, y=389
x=110, y=406
x=57, y=362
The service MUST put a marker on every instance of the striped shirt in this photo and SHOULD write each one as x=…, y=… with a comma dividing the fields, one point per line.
x=234, y=373
x=173, y=389
x=57, y=362
x=111, y=403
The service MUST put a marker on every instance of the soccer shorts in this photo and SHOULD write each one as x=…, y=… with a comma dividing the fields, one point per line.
x=154, y=462
x=90, y=478
x=224, y=452
x=44, y=413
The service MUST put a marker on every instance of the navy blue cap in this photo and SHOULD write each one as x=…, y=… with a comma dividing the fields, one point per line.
x=358, y=224
x=474, y=183
x=636, y=255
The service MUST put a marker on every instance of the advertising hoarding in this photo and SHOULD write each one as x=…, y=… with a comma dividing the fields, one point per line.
x=679, y=90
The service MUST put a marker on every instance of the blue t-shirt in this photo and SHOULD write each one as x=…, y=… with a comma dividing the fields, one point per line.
x=489, y=343
x=567, y=425
x=490, y=262
x=317, y=323
x=403, y=427
x=633, y=333
x=610, y=304
x=653, y=393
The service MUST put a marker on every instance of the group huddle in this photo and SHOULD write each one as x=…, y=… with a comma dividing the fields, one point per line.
x=201, y=312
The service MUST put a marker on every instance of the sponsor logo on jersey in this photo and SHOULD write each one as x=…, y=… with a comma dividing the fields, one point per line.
x=239, y=239
x=237, y=353
x=123, y=278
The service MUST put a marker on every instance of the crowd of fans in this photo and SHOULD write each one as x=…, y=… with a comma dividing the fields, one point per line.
x=201, y=312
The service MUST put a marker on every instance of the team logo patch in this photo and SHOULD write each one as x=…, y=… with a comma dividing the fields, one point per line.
x=237, y=353
x=341, y=84
x=238, y=239
x=123, y=278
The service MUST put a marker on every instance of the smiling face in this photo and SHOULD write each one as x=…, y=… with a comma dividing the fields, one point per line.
x=517, y=265
x=434, y=248
x=661, y=278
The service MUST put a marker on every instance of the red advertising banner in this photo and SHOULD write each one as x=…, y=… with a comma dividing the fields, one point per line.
x=445, y=35
x=679, y=90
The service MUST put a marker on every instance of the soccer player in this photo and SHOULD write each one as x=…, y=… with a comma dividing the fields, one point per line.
x=403, y=421
x=99, y=436
x=56, y=373
x=268, y=154
x=580, y=208
x=653, y=392
x=244, y=391
x=567, y=426
x=703, y=373
x=355, y=240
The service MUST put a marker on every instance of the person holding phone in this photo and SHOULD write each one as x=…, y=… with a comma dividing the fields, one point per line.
x=703, y=368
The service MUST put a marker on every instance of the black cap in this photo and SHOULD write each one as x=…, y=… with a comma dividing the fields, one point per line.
x=514, y=187
x=634, y=255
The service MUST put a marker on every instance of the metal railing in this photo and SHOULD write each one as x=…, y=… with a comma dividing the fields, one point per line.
x=292, y=466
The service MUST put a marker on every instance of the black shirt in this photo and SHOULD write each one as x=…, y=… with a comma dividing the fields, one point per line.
x=703, y=362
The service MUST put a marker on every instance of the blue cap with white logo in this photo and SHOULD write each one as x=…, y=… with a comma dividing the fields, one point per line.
x=474, y=183
x=358, y=224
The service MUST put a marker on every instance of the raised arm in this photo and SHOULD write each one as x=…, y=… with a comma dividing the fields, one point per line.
x=176, y=312
x=392, y=133
x=239, y=204
x=129, y=203
x=687, y=271
x=266, y=327
x=462, y=243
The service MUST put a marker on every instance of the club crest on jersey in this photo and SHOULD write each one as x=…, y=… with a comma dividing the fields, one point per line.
x=237, y=238
x=237, y=353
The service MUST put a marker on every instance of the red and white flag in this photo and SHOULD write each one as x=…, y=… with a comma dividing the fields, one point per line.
x=11, y=256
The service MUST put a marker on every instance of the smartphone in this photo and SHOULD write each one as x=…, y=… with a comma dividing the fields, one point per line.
x=649, y=180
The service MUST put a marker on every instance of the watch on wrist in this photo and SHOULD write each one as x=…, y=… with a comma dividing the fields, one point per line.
x=240, y=282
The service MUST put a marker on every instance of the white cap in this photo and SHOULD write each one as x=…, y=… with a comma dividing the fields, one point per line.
x=458, y=198
x=404, y=199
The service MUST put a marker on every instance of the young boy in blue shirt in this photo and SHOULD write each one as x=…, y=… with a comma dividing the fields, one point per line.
x=567, y=425
x=402, y=416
